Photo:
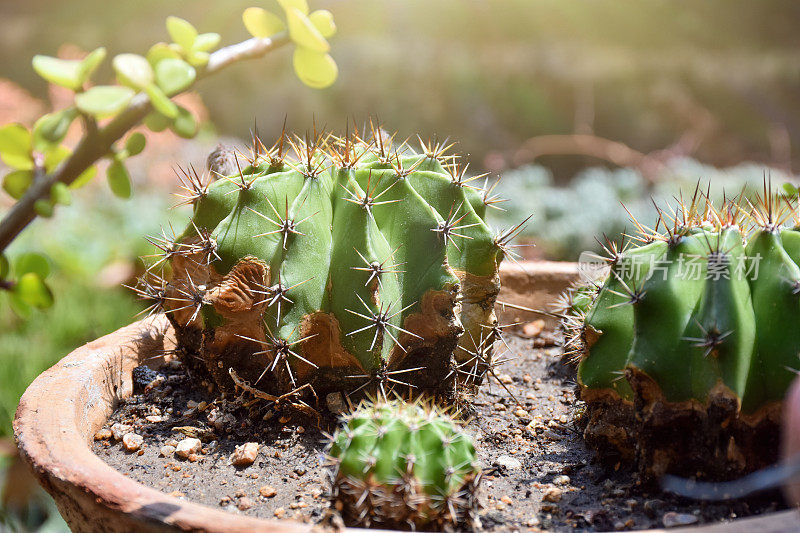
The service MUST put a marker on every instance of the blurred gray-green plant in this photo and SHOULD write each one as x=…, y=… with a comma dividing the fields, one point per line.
x=568, y=220
x=44, y=171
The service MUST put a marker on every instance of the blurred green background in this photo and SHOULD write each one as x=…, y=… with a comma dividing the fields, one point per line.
x=665, y=92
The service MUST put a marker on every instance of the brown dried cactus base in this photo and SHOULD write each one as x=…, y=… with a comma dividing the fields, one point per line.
x=406, y=507
x=714, y=441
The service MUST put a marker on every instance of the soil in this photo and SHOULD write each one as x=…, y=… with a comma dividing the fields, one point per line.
x=537, y=471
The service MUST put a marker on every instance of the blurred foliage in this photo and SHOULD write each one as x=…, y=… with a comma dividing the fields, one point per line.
x=722, y=75
x=568, y=220
x=92, y=248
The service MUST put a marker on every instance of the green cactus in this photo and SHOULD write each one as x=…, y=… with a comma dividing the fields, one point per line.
x=690, y=342
x=355, y=264
x=403, y=466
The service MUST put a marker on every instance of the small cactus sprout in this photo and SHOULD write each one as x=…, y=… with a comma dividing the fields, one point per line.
x=355, y=264
x=403, y=466
x=690, y=341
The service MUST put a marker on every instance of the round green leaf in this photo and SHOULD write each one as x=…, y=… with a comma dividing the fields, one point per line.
x=315, y=69
x=5, y=267
x=15, y=183
x=789, y=189
x=185, y=124
x=322, y=19
x=32, y=290
x=174, y=75
x=84, y=178
x=104, y=100
x=300, y=5
x=32, y=262
x=16, y=146
x=197, y=59
x=53, y=127
x=133, y=70
x=161, y=102
x=155, y=121
x=44, y=208
x=304, y=33
x=181, y=32
x=90, y=63
x=119, y=180
x=59, y=194
x=262, y=23
x=135, y=143
x=161, y=51
x=63, y=72
x=206, y=42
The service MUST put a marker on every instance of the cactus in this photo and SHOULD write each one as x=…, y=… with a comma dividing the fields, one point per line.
x=354, y=265
x=403, y=466
x=691, y=341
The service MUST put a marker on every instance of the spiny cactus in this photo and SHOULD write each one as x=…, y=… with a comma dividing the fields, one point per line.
x=403, y=466
x=355, y=264
x=692, y=339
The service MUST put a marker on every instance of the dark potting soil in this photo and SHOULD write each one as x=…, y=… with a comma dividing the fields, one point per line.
x=537, y=471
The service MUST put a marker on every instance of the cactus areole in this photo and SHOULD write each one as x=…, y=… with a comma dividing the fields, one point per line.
x=692, y=339
x=403, y=466
x=351, y=265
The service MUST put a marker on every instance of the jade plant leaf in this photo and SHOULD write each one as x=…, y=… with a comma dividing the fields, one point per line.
x=16, y=182
x=32, y=290
x=181, y=32
x=135, y=143
x=315, y=69
x=322, y=19
x=262, y=23
x=104, y=100
x=52, y=127
x=59, y=194
x=119, y=180
x=16, y=146
x=32, y=262
x=133, y=71
x=206, y=41
x=184, y=124
x=304, y=33
x=174, y=75
x=161, y=101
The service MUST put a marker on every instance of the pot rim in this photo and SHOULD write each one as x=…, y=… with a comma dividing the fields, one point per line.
x=64, y=407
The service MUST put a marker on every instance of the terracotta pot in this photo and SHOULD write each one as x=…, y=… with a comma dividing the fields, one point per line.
x=64, y=407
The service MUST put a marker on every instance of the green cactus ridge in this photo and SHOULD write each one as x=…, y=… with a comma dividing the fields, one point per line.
x=355, y=263
x=689, y=344
x=403, y=466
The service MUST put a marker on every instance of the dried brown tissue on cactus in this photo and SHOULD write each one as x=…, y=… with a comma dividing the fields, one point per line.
x=355, y=264
x=684, y=360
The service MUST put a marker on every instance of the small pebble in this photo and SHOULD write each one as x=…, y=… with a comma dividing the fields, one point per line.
x=300, y=470
x=521, y=413
x=268, y=491
x=119, y=430
x=561, y=480
x=103, y=434
x=552, y=494
x=167, y=451
x=506, y=461
x=506, y=499
x=132, y=441
x=673, y=519
x=279, y=512
x=225, y=500
x=188, y=446
x=245, y=454
x=505, y=379
x=244, y=503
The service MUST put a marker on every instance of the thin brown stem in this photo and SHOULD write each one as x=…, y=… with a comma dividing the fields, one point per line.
x=97, y=142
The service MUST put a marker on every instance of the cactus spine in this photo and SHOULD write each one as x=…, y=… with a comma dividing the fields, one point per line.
x=403, y=466
x=355, y=264
x=690, y=342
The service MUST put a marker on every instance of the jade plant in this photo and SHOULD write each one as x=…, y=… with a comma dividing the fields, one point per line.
x=353, y=264
x=688, y=344
x=44, y=170
x=403, y=466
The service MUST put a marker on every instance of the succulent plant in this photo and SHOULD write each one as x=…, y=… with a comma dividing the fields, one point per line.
x=355, y=264
x=690, y=341
x=404, y=466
